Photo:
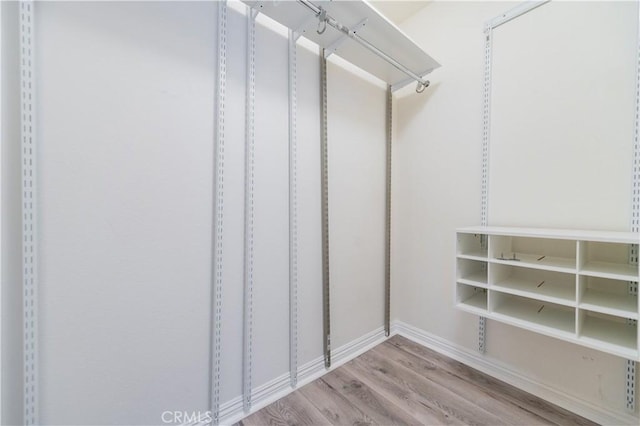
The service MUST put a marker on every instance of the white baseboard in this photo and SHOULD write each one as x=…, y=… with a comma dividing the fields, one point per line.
x=232, y=411
x=346, y=353
x=506, y=373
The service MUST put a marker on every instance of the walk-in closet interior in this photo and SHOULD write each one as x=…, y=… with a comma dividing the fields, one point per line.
x=207, y=205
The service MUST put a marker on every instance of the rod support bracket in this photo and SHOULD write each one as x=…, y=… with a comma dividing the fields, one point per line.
x=422, y=85
x=322, y=21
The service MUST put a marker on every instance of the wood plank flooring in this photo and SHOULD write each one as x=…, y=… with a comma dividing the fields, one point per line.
x=402, y=383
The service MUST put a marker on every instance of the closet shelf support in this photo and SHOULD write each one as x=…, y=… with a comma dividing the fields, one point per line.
x=325, y=18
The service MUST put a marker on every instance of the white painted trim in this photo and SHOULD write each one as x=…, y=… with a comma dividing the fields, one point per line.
x=356, y=347
x=1, y=256
x=507, y=374
x=311, y=370
x=232, y=411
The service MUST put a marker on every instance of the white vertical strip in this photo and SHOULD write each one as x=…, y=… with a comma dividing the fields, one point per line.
x=387, y=233
x=1, y=255
x=216, y=349
x=249, y=186
x=29, y=214
x=293, y=215
x=635, y=187
x=324, y=188
x=486, y=125
x=630, y=384
x=630, y=371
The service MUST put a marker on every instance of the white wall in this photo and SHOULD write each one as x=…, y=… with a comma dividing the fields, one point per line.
x=562, y=116
x=125, y=116
x=437, y=186
x=11, y=222
x=356, y=203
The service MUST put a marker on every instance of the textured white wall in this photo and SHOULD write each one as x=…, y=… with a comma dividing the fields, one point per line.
x=437, y=184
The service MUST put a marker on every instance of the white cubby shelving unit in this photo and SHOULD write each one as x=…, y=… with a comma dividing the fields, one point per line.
x=569, y=284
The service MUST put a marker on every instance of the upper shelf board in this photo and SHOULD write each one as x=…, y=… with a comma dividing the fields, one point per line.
x=561, y=234
x=368, y=24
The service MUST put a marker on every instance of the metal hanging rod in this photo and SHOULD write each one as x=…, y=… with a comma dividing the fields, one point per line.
x=325, y=19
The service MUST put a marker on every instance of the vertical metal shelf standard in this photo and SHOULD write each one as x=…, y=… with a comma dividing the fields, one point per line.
x=249, y=182
x=630, y=371
x=486, y=111
x=1, y=254
x=324, y=184
x=293, y=213
x=217, y=240
x=387, y=236
x=29, y=214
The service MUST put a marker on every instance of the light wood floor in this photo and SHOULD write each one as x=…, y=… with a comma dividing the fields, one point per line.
x=402, y=383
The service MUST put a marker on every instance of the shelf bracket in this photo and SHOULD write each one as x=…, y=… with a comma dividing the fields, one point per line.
x=631, y=385
x=331, y=49
x=482, y=324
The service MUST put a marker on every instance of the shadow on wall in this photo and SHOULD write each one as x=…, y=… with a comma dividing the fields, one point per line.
x=414, y=103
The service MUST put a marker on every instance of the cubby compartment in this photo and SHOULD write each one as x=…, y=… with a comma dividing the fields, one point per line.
x=472, y=272
x=614, y=334
x=536, y=315
x=607, y=296
x=542, y=253
x=549, y=286
x=471, y=246
x=471, y=298
x=568, y=284
x=606, y=260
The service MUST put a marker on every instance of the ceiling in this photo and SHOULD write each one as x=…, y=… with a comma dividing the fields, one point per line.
x=398, y=10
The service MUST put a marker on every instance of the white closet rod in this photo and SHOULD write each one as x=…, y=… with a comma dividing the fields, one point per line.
x=323, y=16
